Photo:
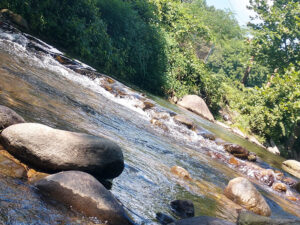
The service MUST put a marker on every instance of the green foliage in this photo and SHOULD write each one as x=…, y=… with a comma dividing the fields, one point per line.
x=177, y=47
x=232, y=59
x=276, y=38
x=109, y=35
x=273, y=111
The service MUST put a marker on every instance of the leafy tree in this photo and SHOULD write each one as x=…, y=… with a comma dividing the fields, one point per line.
x=276, y=38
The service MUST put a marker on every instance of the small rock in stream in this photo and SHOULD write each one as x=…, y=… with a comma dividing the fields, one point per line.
x=9, y=117
x=183, y=208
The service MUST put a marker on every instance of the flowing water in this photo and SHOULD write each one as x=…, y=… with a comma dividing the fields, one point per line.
x=43, y=90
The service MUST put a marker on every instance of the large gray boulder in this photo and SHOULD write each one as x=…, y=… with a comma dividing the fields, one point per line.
x=8, y=117
x=242, y=192
x=52, y=150
x=203, y=220
x=197, y=105
x=292, y=167
x=85, y=194
x=248, y=218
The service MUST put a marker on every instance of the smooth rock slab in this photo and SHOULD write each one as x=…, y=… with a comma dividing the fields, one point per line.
x=52, y=150
x=248, y=218
x=9, y=117
x=203, y=220
x=292, y=167
x=85, y=194
x=242, y=192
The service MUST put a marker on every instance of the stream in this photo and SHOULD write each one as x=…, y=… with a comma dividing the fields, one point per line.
x=43, y=90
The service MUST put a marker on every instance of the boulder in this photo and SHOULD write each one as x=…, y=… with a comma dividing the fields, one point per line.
x=242, y=192
x=52, y=150
x=183, y=208
x=180, y=119
x=292, y=167
x=164, y=219
x=181, y=172
x=203, y=220
x=280, y=187
x=15, y=18
x=197, y=105
x=85, y=194
x=248, y=218
x=8, y=117
x=252, y=157
x=236, y=150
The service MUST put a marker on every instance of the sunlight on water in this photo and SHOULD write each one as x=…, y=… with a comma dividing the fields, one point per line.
x=42, y=90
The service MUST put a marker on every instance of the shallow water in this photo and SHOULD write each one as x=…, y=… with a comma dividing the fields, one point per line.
x=44, y=91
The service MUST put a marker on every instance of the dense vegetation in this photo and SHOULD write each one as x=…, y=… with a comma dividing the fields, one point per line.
x=177, y=47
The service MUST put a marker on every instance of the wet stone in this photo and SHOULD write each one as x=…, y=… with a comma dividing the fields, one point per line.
x=164, y=219
x=183, y=208
x=85, y=194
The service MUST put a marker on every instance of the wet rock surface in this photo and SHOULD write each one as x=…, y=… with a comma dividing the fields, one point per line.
x=9, y=117
x=248, y=218
x=183, y=208
x=236, y=150
x=203, y=220
x=164, y=219
x=85, y=194
x=180, y=119
x=242, y=192
x=52, y=150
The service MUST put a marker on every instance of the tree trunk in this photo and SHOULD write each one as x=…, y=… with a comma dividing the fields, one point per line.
x=271, y=78
x=247, y=72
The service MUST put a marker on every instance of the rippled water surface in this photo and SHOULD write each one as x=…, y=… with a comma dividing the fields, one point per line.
x=44, y=91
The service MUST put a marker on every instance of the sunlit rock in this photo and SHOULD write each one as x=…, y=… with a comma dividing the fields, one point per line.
x=292, y=167
x=9, y=117
x=50, y=150
x=280, y=187
x=181, y=172
x=236, y=150
x=242, y=192
x=197, y=105
x=233, y=161
x=85, y=194
x=252, y=157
